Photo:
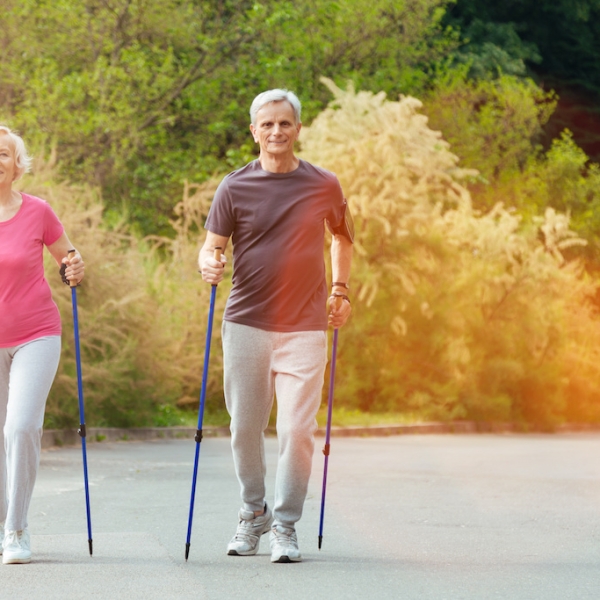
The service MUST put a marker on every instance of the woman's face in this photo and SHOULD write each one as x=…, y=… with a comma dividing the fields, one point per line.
x=8, y=168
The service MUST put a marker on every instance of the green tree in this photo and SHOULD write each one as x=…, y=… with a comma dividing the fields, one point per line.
x=494, y=126
x=137, y=95
x=557, y=42
x=561, y=36
x=106, y=82
x=565, y=180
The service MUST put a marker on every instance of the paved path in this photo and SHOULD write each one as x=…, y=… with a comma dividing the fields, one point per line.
x=408, y=517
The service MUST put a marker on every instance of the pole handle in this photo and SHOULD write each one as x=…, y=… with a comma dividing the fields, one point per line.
x=71, y=253
x=217, y=257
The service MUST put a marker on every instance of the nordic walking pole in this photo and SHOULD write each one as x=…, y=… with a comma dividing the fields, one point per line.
x=81, y=430
x=326, y=449
x=198, y=437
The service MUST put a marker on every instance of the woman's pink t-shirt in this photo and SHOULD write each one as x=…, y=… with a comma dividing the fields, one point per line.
x=27, y=310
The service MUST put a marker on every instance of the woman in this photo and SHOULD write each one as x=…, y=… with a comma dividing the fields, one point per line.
x=30, y=331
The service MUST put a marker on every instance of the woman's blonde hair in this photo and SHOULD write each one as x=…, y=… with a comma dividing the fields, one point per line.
x=22, y=159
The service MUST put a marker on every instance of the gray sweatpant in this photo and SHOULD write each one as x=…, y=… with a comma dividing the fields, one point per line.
x=26, y=375
x=259, y=365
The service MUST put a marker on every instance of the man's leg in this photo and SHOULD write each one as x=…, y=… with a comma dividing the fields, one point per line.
x=248, y=383
x=300, y=366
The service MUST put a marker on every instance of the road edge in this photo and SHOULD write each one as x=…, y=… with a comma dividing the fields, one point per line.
x=69, y=437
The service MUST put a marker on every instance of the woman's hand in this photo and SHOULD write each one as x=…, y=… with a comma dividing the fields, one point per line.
x=74, y=267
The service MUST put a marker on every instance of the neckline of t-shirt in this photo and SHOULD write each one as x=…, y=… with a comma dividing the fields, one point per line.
x=280, y=175
x=16, y=215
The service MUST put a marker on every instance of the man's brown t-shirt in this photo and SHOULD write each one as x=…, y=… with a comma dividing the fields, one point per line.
x=276, y=222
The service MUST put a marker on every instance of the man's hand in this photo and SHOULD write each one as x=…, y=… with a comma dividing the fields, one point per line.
x=209, y=264
x=339, y=310
x=212, y=269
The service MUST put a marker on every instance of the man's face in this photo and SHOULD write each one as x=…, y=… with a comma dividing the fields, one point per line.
x=276, y=129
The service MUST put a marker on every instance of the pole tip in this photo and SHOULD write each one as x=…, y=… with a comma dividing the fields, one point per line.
x=320, y=541
x=91, y=546
x=187, y=551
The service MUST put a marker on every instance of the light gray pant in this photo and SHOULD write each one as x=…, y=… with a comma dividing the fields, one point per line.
x=26, y=375
x=259, y=365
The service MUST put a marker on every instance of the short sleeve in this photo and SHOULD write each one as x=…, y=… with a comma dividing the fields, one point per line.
x=338, y=204
x=53, y=228
x=220, y=219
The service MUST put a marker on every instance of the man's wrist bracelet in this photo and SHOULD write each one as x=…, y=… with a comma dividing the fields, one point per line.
x=342, y=296
x=340, y=284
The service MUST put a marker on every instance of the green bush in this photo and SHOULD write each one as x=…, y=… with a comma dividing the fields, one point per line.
x=142, y=318
x=458, y=314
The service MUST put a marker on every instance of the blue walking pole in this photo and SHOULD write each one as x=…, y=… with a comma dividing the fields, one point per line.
x=326, y=449
x=198, y=436
x=81, y=431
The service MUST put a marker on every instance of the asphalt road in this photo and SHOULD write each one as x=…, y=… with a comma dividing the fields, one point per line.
x=416, y=517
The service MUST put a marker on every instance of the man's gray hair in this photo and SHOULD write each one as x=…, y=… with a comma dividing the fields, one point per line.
x=275, y=96
x=22, y=159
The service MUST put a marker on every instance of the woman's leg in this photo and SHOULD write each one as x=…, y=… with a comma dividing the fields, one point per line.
x=32, y=371
x=5, y=362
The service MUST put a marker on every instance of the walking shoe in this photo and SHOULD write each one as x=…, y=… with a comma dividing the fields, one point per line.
x=284, y=545
x=247, y=537
x=16, y=547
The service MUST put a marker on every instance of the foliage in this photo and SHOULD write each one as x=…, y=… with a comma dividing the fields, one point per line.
x=556, y=42
x=382, y=44
x=494, y=126
x=138, y=333
x=183, y=301
x=113, y=83
x=469, y=297
x=572, y=184
x=490, y=49
x=459, y=315
x=565, y=35
x=139, y=95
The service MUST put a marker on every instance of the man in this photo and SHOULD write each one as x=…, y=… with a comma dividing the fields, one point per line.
x=274, y=328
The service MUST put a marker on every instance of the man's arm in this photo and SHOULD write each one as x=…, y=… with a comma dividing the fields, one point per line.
x=341, y=262
x=211, y=269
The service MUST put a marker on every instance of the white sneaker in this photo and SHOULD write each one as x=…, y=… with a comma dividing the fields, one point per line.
x=284, y=545
x=246, y=540
x=17, y=548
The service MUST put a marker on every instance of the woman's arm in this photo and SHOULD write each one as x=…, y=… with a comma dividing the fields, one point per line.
x=74, y=262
